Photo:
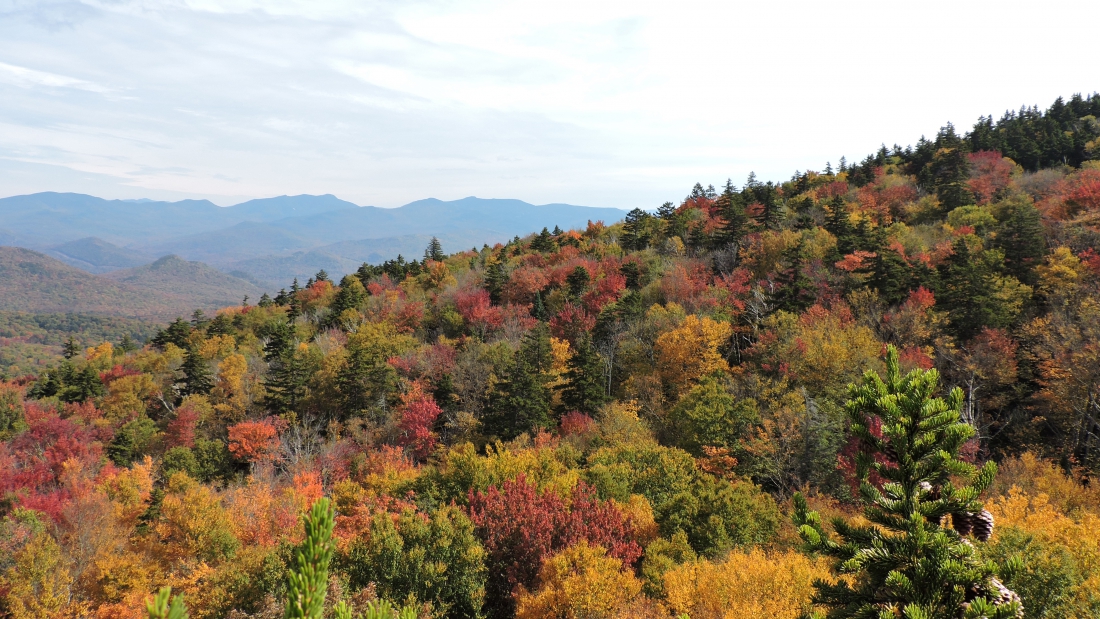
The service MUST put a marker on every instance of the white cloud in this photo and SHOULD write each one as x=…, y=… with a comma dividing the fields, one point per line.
x=604, y=103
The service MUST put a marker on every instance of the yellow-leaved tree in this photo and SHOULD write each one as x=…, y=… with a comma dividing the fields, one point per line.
x=580, y=582
x=691, y=351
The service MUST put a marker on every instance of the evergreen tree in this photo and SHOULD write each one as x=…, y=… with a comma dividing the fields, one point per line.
x=945, y=168
x=584, y=390
x=905, y=562
x=198, y=319
x=666, y=211
x=735, y=220
x=126, y=344
x=558, y=231
x=196, y=374
x=495, y=279
x=434, y=251
x=81, y=386
x=840, y=225
x=349, y=297
x=577, y=281
x=633, y=275
x=322, y=276
x=796, y=291
x=1020, y=237
x=178, y=333
x=543, y=241
x=265, y=300
x=968, y=292
x=285, y=382
x=636, y=233
x=221, y=325
x=522, y=403
x=367, y=272
x=538, y=309
x=70, y=349
x=285, y=385
x=891, y=276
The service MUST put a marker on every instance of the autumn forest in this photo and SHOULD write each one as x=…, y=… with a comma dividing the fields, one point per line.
x=867, y=391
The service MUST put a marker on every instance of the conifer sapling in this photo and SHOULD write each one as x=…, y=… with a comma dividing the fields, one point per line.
x=906, y=562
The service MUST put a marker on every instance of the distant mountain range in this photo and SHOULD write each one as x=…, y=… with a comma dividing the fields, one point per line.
x=269, y=241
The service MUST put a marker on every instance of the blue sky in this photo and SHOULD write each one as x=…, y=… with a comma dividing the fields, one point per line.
x=601, y=103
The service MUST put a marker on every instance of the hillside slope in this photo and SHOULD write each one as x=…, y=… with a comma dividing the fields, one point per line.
x=95, y=255
x=205, y=286
x=33, y=282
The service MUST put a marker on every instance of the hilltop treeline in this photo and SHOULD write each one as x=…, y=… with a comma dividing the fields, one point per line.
x=609, y=422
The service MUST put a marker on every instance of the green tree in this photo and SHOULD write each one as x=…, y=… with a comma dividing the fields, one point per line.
x=584, y=390
x=577, y=281
x=1020, y=236
x=12, y=413
x=177, y=333
x=349, y=297
x=197, y=378
x=522, y=402
x=495, y=280
x=892, y=276
x=735, y=220
x=636, y=230
x=969, y=290
x=709, y=415
x=905, y=562
x=70, y=349
x=432, y=558
x=543, y=241
x=126, y=344
x=434, y=251
x=81, y=385
x=945, y=168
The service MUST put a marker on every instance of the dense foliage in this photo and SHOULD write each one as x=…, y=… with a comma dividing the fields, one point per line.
x=614, y=422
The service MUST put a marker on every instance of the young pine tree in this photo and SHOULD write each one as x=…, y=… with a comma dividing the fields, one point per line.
x=905, y=563
x=159, y=607
x=307, y=581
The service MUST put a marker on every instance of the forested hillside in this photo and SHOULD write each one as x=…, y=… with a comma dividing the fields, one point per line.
x=882, y=376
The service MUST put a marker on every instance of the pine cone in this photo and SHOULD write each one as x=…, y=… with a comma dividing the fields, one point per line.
x=982, y=523
x=963, y=522
x=1001, y=595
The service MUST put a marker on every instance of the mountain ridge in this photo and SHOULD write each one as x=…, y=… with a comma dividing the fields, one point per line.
x=273, y=239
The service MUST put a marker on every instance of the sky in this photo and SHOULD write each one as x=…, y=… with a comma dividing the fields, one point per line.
x=622, y=104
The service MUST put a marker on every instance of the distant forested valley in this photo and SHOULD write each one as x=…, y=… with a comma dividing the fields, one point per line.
x=870, y=390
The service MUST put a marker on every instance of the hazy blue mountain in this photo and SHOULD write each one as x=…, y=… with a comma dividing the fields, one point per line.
x=346, y=256
x=241, y=241
x=281, y=270
x=272, y=239
x=50, y=218
x=97, y=256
